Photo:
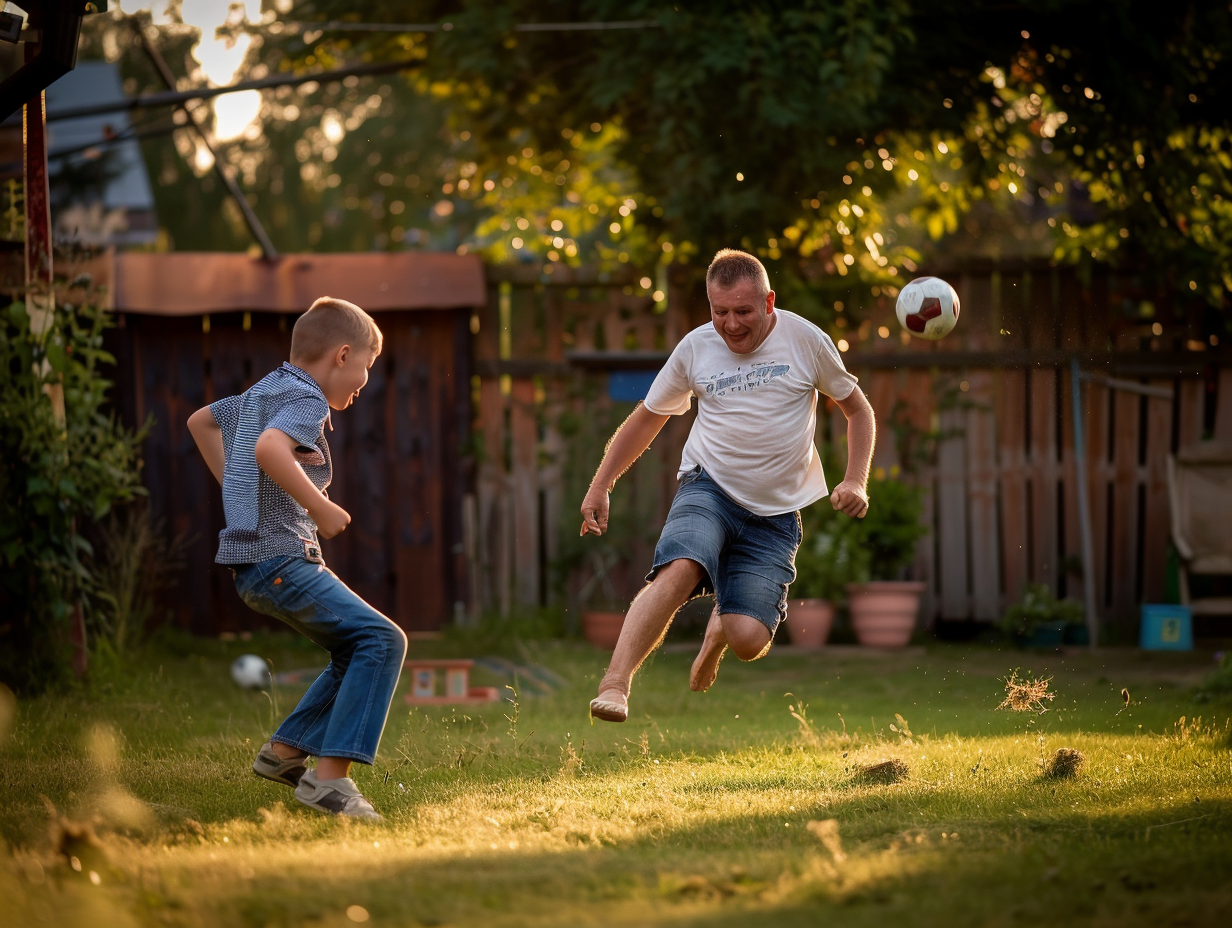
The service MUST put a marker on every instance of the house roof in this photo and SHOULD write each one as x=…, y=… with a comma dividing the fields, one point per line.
x=98, y=82
x=194, y=283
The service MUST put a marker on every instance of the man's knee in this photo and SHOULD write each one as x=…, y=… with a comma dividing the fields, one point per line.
x=747, y=638
x=683, y=570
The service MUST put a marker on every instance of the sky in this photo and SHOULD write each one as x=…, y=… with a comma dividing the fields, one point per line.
x=221, y=60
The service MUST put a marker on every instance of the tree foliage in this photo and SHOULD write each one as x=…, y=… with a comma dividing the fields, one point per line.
x=841, y=138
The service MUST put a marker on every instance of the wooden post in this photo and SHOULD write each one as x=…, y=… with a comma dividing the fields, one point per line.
x=40, y=295
x=1084, y=506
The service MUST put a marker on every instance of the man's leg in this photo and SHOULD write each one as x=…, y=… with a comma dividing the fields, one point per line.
x=645, y=624
x=748, y=638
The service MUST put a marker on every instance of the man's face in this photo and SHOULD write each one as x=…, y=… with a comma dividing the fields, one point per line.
x=741, y=314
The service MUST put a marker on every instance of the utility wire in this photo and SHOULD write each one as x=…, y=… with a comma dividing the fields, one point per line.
x=129, y=135
x=178, y=97
x=340, y=26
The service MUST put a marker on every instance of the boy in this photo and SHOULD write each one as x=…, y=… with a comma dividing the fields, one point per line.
x=267, y=448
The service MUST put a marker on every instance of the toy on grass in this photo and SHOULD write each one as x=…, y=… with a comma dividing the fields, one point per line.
x=458, y=689
x=250, y=672
x=927, y=308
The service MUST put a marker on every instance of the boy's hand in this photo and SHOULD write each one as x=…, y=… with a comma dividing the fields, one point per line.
x=851, y=498
x=330, y=518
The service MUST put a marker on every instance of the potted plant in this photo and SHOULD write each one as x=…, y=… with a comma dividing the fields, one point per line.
x=1040, y=620
x=884, y=605
x=824, y=563
x=602, y=616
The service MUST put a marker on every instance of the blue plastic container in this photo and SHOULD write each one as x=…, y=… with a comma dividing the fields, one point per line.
x=1166, y=628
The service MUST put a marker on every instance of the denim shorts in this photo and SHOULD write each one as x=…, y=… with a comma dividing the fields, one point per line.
x=749, y=559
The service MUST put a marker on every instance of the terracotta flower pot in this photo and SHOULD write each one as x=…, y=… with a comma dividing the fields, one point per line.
x=809, y=622
x=884, y=612
x=602, y=629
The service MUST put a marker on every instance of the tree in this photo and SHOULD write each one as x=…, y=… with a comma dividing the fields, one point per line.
x=843, y=139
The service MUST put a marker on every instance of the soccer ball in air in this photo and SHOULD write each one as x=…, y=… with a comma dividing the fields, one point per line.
x=927, y=307
x=250, y=672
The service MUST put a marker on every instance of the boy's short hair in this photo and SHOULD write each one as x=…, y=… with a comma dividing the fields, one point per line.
x=329, y=323
x=730, y=266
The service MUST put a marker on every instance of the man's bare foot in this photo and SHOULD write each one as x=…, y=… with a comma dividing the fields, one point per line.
x=612, y=703
x=706, y=667
x=610, y=706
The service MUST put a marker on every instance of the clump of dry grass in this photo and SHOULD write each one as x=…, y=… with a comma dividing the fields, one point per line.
x=1027, y=695
x=1066, y=762
x=888, y=771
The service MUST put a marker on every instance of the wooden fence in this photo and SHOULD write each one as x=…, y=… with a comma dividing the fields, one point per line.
x=465, y=461
x=983, y=419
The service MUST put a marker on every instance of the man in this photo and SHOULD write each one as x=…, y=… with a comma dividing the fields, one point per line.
x=748, y=467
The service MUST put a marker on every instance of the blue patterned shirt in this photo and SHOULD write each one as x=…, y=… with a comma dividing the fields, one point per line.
x=263, y=520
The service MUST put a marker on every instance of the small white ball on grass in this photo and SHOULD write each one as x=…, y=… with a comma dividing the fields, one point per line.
x=250, y=672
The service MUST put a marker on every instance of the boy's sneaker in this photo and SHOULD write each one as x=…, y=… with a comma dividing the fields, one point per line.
x=338, y=797
x=272, y=767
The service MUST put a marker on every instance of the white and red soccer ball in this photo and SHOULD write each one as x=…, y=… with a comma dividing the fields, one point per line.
x=927, y=308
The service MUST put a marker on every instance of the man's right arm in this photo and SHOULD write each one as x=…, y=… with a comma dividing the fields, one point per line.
x=627, y=445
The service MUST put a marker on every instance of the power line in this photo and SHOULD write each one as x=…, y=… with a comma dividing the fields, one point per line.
x=178, y=97
x=340, y=26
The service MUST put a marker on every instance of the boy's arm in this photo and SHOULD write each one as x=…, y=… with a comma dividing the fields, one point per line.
x=276, y=456
x=208, y=436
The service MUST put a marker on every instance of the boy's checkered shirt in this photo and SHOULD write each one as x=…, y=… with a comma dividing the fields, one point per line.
x=263, y=520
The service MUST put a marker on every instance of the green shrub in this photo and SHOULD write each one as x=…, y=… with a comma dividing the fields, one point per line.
x=1219, y=683
x=59, y=475
x=828, y=557
x=1039, y=607
x=889, y=533
x=837, y=549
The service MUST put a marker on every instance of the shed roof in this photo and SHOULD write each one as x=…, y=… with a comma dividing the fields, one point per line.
x=193, y=283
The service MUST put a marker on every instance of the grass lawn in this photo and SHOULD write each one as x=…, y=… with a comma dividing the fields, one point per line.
x=742, y=806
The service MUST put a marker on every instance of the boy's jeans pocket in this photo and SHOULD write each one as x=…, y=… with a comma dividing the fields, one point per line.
x=252, y=581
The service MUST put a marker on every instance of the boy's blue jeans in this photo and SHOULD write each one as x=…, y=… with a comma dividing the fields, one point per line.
x=343, y=713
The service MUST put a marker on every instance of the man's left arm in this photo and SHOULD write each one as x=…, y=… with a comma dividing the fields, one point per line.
x=851, y=496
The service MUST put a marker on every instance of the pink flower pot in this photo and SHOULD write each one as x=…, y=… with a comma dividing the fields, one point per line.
x=809, y=622
x=884, y=612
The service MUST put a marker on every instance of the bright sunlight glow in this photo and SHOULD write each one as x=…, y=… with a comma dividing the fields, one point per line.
x=221, y=59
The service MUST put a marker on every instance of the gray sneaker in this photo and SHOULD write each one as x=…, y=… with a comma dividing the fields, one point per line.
x=272, y=767
x=338, y=797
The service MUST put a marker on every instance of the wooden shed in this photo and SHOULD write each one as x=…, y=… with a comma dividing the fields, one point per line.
x=195, y=327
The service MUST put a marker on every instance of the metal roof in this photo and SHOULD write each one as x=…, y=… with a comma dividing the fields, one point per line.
x=193, y=283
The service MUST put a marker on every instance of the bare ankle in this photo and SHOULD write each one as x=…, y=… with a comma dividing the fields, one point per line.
x=286, y=752
x=333, y=768
x=614, y=683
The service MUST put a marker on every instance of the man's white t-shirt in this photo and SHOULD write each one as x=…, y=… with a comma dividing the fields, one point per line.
x=756, y=412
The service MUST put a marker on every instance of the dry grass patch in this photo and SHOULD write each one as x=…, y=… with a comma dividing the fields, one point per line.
x=1027, y=695
x=1066, y=762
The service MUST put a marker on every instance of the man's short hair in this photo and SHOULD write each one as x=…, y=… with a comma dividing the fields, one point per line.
x=330, y=323
x=730, y=266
